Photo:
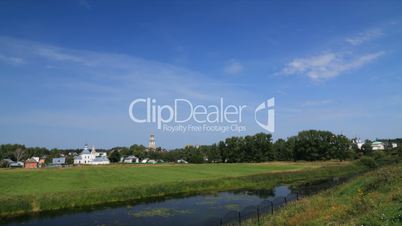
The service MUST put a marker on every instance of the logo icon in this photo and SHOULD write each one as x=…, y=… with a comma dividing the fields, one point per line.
x=269, y=105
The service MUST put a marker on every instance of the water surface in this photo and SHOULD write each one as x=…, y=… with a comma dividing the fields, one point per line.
x=207, y=209
x=194, y=210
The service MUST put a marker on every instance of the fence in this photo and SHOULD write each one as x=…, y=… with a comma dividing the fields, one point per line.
x=265, y=207
x=269, y=206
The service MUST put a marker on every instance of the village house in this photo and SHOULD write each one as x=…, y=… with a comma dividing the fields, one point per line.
x=31, y=163
x=377, y=145
x=42, y=161
x=182, y=161
x=17, y=164
x=131, y=159
x=11, y=163
x=59, y=161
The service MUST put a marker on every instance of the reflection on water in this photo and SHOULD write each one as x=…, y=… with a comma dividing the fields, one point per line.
x=194, y=210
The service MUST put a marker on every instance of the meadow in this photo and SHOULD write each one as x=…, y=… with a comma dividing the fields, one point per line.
x=25, y=191
x=29, y=181
x=374, y=198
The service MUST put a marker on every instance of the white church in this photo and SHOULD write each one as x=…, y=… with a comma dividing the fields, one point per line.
x=91, y=157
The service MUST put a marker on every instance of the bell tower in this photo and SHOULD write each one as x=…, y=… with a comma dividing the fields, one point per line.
x=151, y=145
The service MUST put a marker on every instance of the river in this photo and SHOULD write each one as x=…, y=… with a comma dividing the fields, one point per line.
x=205, y=209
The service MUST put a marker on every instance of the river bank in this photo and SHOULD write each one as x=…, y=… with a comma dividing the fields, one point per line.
x=195, y=179
x=373, y=198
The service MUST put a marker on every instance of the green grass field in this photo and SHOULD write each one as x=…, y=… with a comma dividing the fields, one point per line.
x=374, y=198
x=33, y=190
x=27, y=181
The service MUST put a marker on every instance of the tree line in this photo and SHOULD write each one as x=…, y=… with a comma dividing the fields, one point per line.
x=309, y=145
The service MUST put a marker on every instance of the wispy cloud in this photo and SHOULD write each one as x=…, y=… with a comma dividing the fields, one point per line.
x=328, y=65
x=366, y=36
x=331, y=63
x=11, y=60
x=117, y=78
x=58, y=54
x=91, y=90
x=233, y=68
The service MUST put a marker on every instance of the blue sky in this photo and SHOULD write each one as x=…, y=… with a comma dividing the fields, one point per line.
x=69, y=70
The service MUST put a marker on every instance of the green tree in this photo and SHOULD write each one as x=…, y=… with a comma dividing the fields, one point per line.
x=282, y=151
x=115, y=156
x=234, y=147
x=263, y=147
x=366, y=147
x=212, y=153
x=223, y=151
x=314, y=145
x=343, y=148
x=4, y=164
x=69, y=160
x=193, y=154
x=20, y=154
x=138, y=151
x=8, y=150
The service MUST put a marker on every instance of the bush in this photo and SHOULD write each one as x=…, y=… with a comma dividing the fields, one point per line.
x=3, y=164
x=361, y=203
x=378, y=154
x=388, y=159
x=368, y=161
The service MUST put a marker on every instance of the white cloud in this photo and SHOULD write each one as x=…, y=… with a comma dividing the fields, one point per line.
x=58, y=54
x=233, y=68
x=111, y=77
x=364, y=37
x=97, y=88
x=11, y=60
x=327, y=65
x=333, y=63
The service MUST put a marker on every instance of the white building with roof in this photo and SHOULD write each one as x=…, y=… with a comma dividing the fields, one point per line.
x=131, y=159
x=377, y=145
x=91, y=157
